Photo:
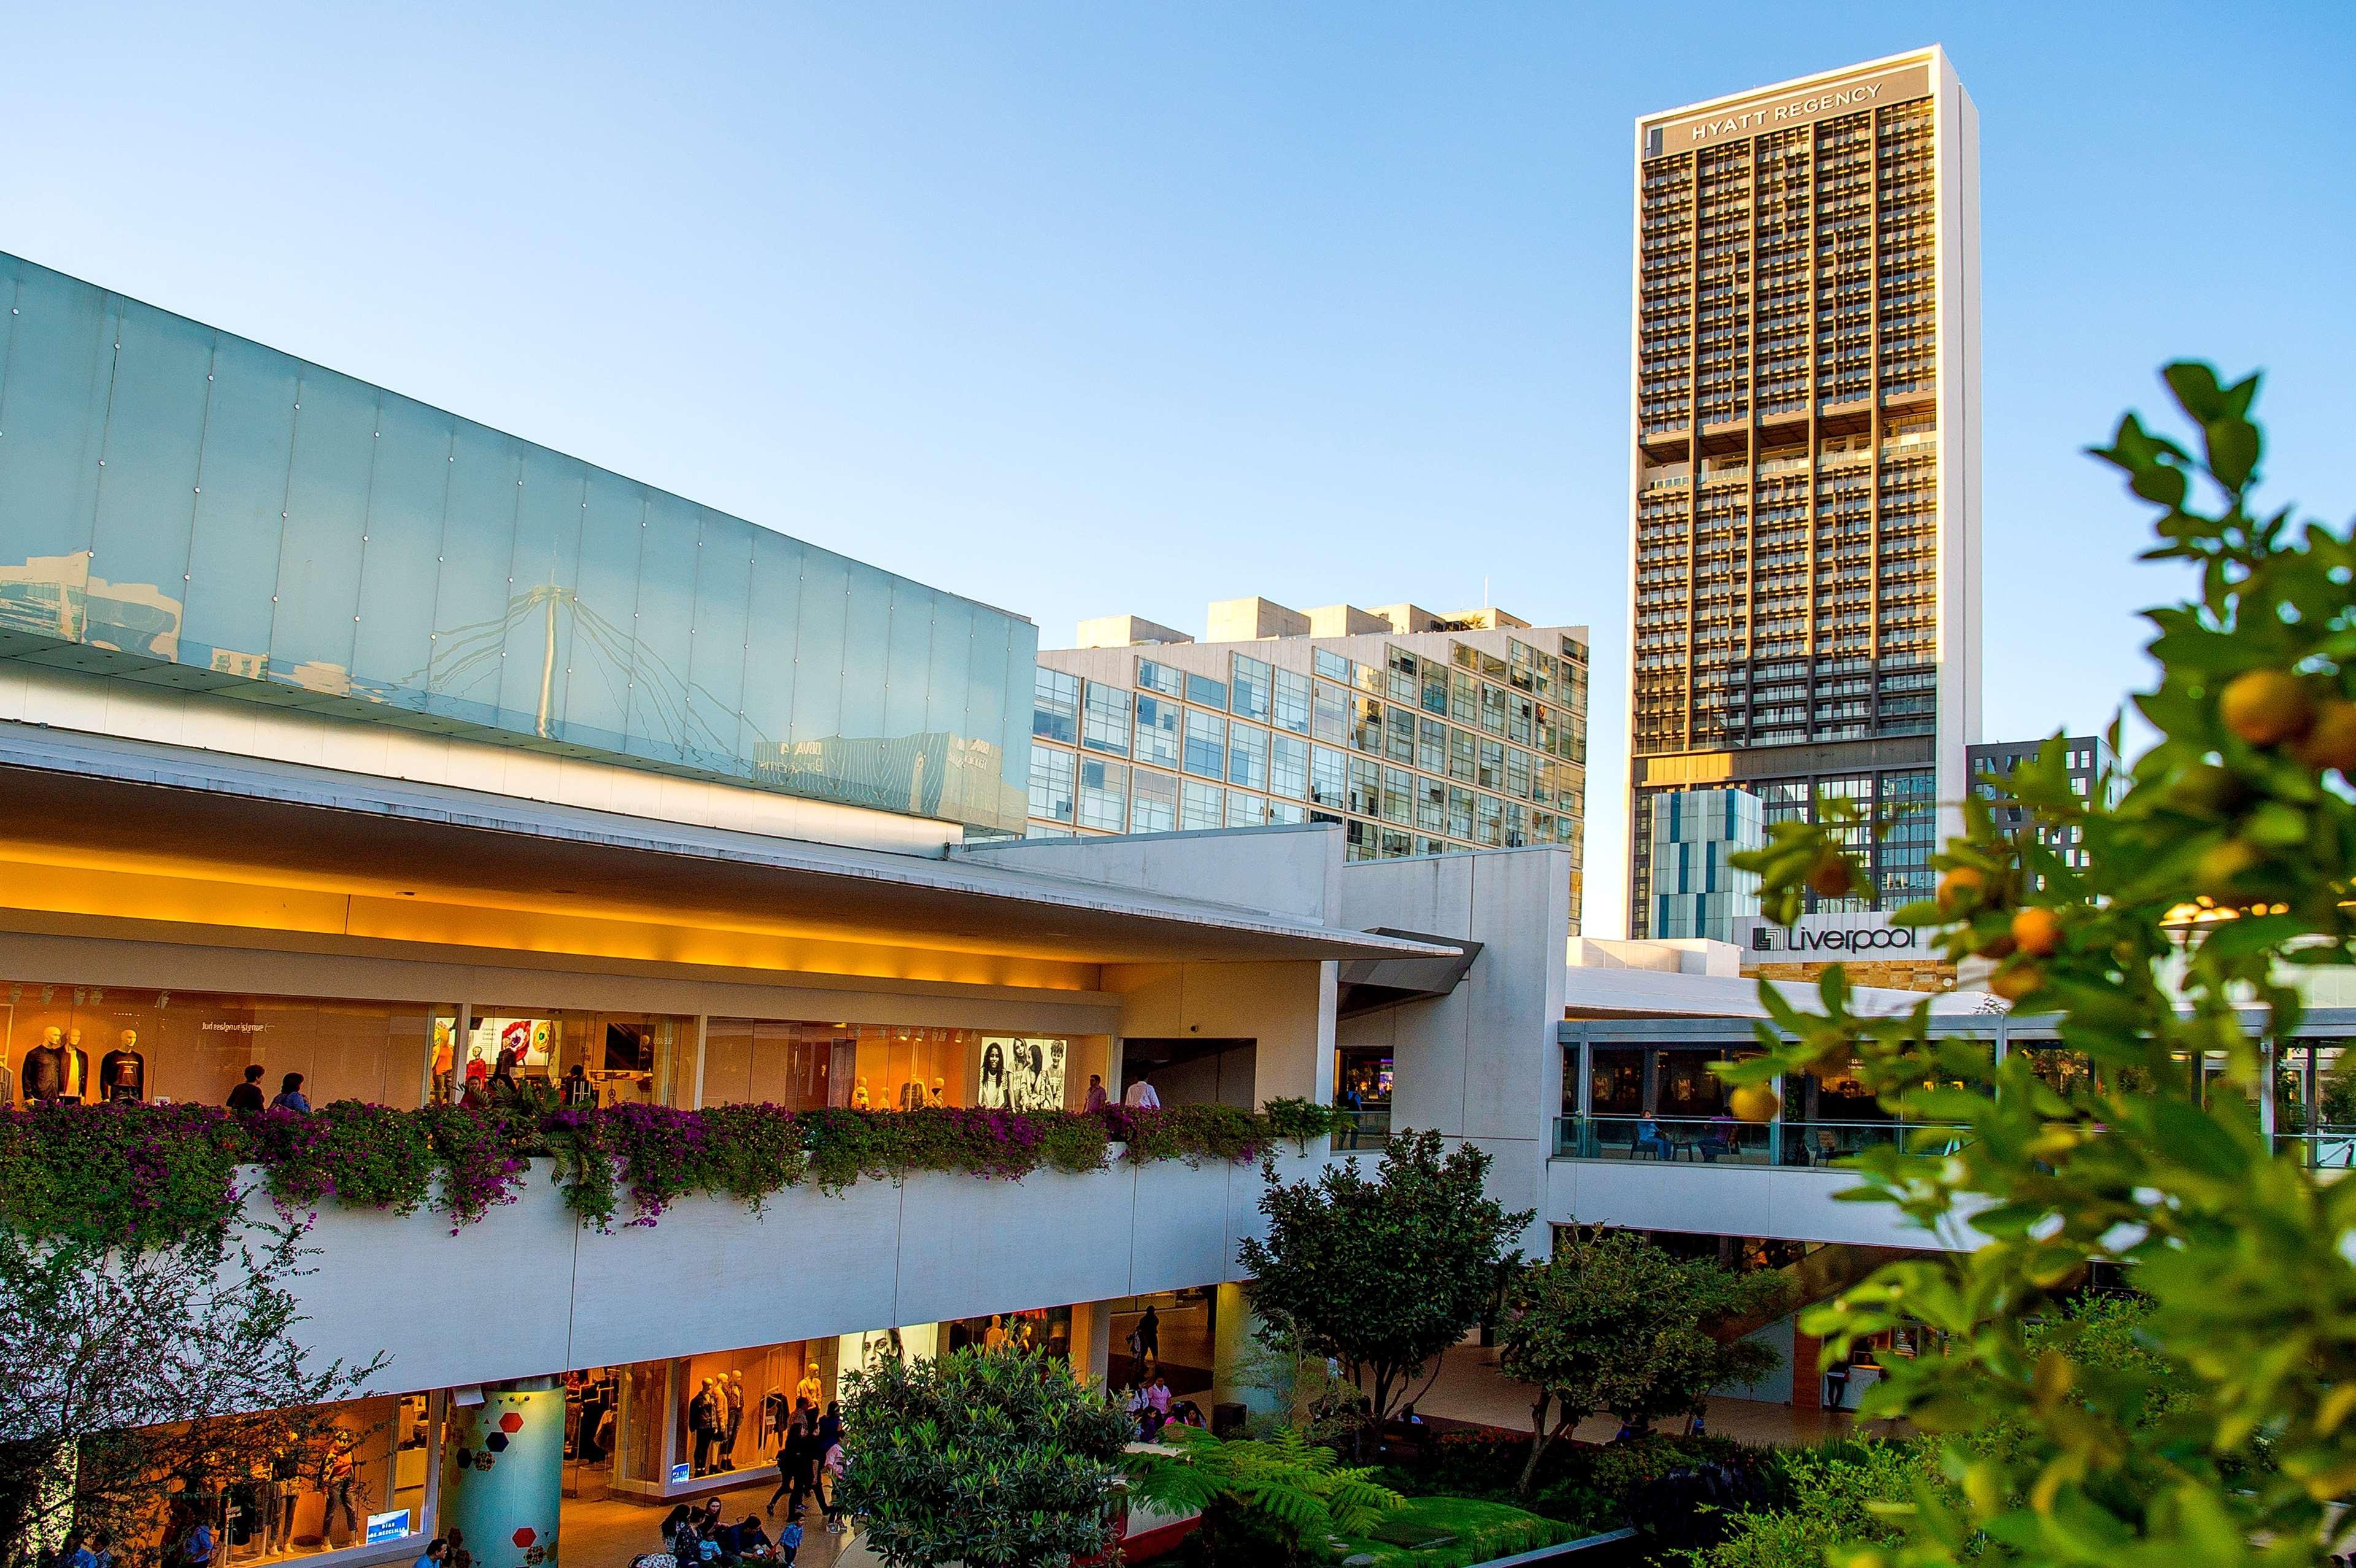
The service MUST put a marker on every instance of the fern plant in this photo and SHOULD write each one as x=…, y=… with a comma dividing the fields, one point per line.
x=1299, y=1491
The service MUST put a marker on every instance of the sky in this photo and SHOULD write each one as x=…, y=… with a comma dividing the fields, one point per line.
x=1096, y=308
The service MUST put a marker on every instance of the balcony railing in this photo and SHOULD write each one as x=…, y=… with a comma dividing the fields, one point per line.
x=2331, y=1150
x=1721, y=1140
x=1368, y=1127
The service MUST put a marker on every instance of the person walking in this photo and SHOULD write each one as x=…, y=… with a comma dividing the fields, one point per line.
x=790, y=1541
x=1148, y=1333
x=431, y=1556
x=1139, y=1096
x=247, y=1096
x=1097, y=1099
x=788, y=1455
x=290, y=1096
x=829, y=1491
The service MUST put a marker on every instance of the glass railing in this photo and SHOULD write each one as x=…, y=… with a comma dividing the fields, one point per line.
x=1724, y=1141
x=1368, y=1127
x=2331, y=1150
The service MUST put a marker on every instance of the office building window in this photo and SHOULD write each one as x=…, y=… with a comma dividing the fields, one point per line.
x=1161, y=678
x=1492, y=774
x=1398, y=795
x=1157, y=726
x=1247, y=691
x=1488, y=820
x=1330, y=714
x=1405, y=686
x=1492, y=709
x=1051, y=783
x=1517, y=774
x=1203, y=690
x=1207, y=744
x=1366, y=787
x=1201, y=806
x=1463, y=697
x=1055, y=707
x=1105, y=722
x=1288, y=767
x=1329, y=776
x=1246, y=811
x=1291, y=702
x=1332, y=666
x=1366, y=724
x=1435, y=687
x=1430, y=806
x=1153, y=807
x=1104, y=795
x=1286, y=811
x=1462, y=749
x=1431, y=745
x=1399, y=733
x=1459, y=813
x=1247, y=755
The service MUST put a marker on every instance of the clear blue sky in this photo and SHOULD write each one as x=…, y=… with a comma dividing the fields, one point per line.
x=1096, y=307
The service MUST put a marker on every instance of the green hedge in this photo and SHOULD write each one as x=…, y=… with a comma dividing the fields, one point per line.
x=145, y=1176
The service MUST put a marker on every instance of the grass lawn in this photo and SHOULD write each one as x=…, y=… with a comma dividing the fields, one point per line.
x=1452, y=1532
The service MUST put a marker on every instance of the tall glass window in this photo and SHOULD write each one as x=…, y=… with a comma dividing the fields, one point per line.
x=1247, y=690
x=1202, y=689
x=1246, y=811
x=1399, y=733
x=1431, y=745
x=1329, y=776
x=1517, y=774
x=1159, y=723
x=1332, y=666
x=1398, y=795
x=1330, y=714
x=1055, y=707
x=1492, y=709
x=1435, y=688
x=1405, y=686
x=1366, y=787
x=1247, y=755
x=1161, y=678
x=1488, y=820
x=1288, y=767
x=1105, y=723
x=1153, y=807
x=1366, y=724
x=1051, y=784
x=1491, y=774
x=1207, y=744
x=1459, y=813
x=1291, y=702
x=1464, y=698
x=1201, y=806
x=1430, y=806
x=1286, y=811
x=1463, y=750
x=1104, y=795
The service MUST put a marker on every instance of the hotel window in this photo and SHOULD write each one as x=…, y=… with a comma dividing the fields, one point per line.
x=1431, y=745
x=1459, y=813
x=1396, y=845
x=1398, y=795
x=1398, y=737
x=1332, y=666
x=1161, y=678
x=1329, y=776
x=1366, y=724
x=1206, y=691
x=1491, y=774
x=1520, y=720
x=1246, y=811
x=1201, y=806
x=1154, y=808
x=1463, y=697
x=1404, y=685
x=1430, y=806
x=1366, y=787
x=1247, y=693
x=1461, y=752
x=1517, y=774
x=1158, y=723
x=1247, y=755
x=1104, y=795
x=1517, y=833
x=1330, y=713
x=1435, y=688
x=1287, y=767
x=1207, y=744
x=1051, y=784
x=1055, y=707
x=1105, y=722
x=1492, y=709
x=1291, y=702
x=1488, y=820
x=1286, y=811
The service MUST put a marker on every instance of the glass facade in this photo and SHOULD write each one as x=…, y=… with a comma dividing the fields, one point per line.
x=1477, y=751
x=185, y=508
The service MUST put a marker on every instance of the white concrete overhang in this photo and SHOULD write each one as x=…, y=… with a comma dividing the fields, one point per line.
x=66, y=795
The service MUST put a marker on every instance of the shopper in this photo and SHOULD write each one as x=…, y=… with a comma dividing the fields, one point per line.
x=101, y=1550
x=431, y=1556
x=290, y=1096
x=790, y=1454
x=790, y=1541
x=829, y=1491
x=1148, y=1333
x=579, y=1094
x=829, y=1428
x=1141, y=1095
x=1097, y=1099
x=247, y=1096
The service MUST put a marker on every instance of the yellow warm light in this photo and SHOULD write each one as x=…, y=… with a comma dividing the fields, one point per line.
x=195, y=896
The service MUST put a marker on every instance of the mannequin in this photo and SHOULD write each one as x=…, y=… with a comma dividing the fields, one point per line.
x=733, y=1419
x=704, y=1419
x=807, y=1392
x=123, y=1072
x=859, y=1097
x=55, y=1069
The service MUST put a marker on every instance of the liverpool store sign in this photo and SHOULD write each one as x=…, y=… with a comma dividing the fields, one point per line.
x=1828, y=936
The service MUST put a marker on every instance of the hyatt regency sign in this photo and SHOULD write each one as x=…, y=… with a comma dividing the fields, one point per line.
x=1824, y=938
x=1749, y=117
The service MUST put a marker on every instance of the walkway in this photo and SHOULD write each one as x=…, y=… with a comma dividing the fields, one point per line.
x=1470, y=1388
x=609, y=1533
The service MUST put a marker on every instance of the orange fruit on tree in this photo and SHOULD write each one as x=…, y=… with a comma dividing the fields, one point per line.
x=2265, y=707
x=1753, y=1102
x=2331, y=741
x=1832, y=877
x=1962, y=884
x=2017, y=982
x=2037, y=932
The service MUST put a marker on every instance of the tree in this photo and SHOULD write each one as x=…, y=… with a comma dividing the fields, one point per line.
x=1614, y=1323
x=991, y=1460
x=1382, y=1274
x=124, y=1373
x=1274, y=1500
x=2234, y=1442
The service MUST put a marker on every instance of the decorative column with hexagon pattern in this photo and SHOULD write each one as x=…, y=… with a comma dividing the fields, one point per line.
x=503, y=1473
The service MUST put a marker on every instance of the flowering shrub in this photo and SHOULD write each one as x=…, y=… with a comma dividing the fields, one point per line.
x=146, y=1175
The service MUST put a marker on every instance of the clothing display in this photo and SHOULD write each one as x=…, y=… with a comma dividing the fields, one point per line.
x=54, y=1070
x=706, y=1414
x=123, y=1073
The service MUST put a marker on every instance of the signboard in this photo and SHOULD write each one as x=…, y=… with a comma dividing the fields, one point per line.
x=1851, y=93
x=1830, y=938
x=382, y=1527
x=681, y=1474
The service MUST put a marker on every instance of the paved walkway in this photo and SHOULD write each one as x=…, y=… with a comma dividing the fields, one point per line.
x=1470, y=1388
x=611, y=1531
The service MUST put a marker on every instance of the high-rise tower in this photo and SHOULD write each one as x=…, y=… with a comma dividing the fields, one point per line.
x=1805, y=597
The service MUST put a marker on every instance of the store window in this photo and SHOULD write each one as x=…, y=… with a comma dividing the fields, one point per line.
x=348, y=1475
x=586, y=1058
x=1044, y=1330
x=90, y=1043
x=1362, y=1092
x=859, y=1067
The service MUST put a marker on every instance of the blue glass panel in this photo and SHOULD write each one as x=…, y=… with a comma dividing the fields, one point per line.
x=772, y=633
x=1015, y=766
x=908, y=655
x=970, y=773
x=542, y=573
x=986, y=715
x=818, y=665
x=657, y=726
x=52, y=413
x=723, y=587
x=863, y=671
x=242, y=493
x=470, y=611
x=392, y=641
x=147, y=494
x=318, y=576
x=605, y=613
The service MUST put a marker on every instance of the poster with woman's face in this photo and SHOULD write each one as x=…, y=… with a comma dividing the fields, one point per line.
x=1034, y=1072
x=991, y=1094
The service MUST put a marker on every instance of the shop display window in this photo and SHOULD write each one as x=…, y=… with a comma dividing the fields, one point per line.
x=1046, y=1330
x=92, y=1043
x=356, y=1474
x=883, y=1067
x=1021, y=1073
x=586, y=1058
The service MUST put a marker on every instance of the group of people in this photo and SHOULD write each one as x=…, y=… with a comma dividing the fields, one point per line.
x=694, y=1536
x=94, y=1550
x=1150, y=1409
x=247, y=1095
x=809, y=1461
